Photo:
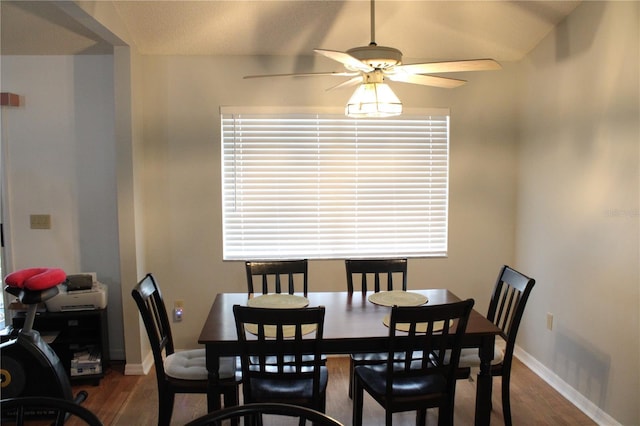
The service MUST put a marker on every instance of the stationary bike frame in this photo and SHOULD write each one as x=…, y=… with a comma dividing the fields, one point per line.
x=29, y=367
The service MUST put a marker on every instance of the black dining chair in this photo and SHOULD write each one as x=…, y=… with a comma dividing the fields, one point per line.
x=376, y=272
x=273, y=275
x=281, y=355
x=414, y=382
x=278, y=413
x=29, y=409
x=177, y=372
x=508, y=300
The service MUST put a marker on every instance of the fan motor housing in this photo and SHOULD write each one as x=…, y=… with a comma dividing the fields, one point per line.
x=379, y=57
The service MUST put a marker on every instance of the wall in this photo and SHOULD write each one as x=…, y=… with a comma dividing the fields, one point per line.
x=578, y=206
x=576, y=186
x=182, y=176
x=60, y=160
x=178, y=197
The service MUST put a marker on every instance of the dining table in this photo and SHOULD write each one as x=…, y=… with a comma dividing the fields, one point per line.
x=353, y=324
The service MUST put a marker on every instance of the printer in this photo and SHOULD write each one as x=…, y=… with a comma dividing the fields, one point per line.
x=80, y=292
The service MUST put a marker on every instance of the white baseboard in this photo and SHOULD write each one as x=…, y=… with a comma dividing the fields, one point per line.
x=576, y=398
x=143, y=369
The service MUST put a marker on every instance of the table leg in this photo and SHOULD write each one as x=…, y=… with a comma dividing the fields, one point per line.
x=484, y=382
x=213, y=392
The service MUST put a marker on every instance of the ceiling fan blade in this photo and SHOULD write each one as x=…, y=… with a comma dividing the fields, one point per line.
x=351, y=82
x=425, y=80
x=309, y=74
x=452, y=66
x=344, y=58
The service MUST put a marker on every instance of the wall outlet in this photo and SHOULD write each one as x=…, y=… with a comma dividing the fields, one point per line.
x=549, y=321
x=178, y=310
x=177, y=314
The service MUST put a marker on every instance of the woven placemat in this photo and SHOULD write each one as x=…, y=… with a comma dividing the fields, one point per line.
x=278, y=301
x=398, y=298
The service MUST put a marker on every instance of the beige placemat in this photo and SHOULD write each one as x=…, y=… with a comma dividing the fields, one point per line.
x=420, y=327
x=398, y=298
x=278, y=301
x=287, y=331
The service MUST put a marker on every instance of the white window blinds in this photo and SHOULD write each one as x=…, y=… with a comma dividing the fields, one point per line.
x=321, y=186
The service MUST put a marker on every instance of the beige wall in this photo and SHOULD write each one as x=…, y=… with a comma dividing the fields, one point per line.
x=182, y=189
x=578, y=204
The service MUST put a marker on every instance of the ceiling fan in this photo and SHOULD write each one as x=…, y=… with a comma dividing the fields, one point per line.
x=371, y=65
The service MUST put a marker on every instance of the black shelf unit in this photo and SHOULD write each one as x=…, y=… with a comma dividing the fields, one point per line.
x=76, y=330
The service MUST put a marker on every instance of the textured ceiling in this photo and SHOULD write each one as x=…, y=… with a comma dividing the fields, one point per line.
x=430, y=30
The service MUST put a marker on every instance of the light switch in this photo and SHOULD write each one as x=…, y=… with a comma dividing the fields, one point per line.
x=40, y=221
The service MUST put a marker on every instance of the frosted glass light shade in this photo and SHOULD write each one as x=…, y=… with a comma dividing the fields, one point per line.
x=373, y=100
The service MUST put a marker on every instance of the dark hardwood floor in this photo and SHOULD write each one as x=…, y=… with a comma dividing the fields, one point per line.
x=132, y=400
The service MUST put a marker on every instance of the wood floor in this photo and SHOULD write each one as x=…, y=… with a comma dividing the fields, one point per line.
x=132, y=401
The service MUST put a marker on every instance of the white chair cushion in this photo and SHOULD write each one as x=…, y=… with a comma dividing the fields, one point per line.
x=191, y=365
x=469, y=356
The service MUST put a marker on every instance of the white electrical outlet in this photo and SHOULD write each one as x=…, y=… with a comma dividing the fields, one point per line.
x=178, y=310
x=177, y=314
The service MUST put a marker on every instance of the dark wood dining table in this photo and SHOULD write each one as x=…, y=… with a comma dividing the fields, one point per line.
x=352, y=324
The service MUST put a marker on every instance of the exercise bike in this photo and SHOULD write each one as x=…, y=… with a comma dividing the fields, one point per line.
x=28, y=365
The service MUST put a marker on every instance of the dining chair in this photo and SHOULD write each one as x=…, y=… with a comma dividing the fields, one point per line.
x=508, y=300
x=282, y=341
x=363, y=272
x=276, y=411
x=276, y=273
x=177, y=372
x=272, y=275
x=26, y=410
x=414, y=382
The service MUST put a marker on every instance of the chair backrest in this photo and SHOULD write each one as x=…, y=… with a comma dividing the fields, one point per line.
x=428, y=329
x=272, y=274
x=156, y=321
x=21, y=409
x=507, y=304
x=272, y=409
x=377, y=269
x=278, y=344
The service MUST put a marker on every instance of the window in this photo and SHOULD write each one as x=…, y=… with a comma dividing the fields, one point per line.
x=325, y=186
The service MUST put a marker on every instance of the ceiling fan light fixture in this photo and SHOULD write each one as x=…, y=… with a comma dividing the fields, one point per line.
x=371, y=65
x=373, y=100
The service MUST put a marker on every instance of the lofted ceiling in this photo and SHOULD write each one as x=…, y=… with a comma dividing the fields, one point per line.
x=430, y=30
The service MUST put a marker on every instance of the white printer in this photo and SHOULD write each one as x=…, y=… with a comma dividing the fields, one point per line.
x=80, y=292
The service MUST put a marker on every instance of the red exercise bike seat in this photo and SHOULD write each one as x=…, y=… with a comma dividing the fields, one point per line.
x=35, y=279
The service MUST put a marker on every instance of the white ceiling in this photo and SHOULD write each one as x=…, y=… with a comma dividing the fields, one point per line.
x=428, y=30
